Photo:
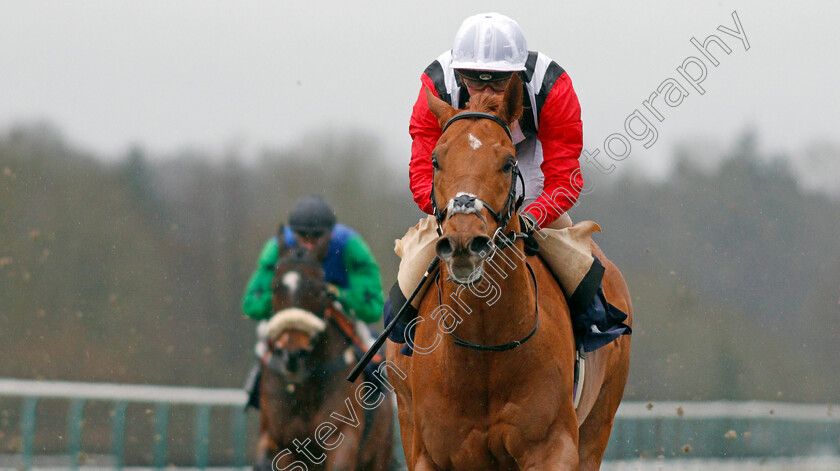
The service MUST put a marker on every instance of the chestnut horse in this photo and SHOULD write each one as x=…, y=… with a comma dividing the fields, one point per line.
x=510, y=409
x=309, y=414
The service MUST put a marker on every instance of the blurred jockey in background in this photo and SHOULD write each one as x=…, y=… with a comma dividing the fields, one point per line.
x=350, y=271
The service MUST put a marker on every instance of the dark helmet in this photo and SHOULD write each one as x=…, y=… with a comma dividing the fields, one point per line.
x=311, y=214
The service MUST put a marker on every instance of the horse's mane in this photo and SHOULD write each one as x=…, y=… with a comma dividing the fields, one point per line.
x=485, y=102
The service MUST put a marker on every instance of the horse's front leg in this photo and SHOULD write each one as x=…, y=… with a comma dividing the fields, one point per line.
x=345, y=457
x=267, y=450
x=424, y=463
x=558, y=452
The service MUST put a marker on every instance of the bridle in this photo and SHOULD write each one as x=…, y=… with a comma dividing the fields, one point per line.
x=465, y=203
x=505, y=346
x=328, y=313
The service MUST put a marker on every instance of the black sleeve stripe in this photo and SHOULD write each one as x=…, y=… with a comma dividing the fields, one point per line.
x=435, y=72
x=552, y=73
x=530, y=64
x=527, y=119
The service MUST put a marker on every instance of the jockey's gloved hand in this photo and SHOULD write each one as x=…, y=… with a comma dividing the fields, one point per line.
x=333, y=292
x=528, y=223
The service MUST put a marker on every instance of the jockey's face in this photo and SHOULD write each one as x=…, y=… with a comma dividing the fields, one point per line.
x=316, y=243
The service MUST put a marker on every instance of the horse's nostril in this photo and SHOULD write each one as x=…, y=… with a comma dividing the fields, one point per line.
x=480, y=245
x=444, y=248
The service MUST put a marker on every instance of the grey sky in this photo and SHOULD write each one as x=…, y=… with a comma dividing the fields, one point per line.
x=214, y=74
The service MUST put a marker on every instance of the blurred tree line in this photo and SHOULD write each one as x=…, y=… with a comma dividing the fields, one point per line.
x=133, y=271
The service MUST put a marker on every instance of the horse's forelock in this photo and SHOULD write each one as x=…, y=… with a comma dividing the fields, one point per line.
x=296, y=254
x=485, y=102
x=310, y=279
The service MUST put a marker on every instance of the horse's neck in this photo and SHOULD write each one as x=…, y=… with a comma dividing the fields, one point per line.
x=316, y=389
x=498, y=309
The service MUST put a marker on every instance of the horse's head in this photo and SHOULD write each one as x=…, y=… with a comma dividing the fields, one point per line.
x=299, y=300
x=475, y=177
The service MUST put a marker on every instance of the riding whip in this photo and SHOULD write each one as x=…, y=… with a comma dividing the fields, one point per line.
x=387, y=331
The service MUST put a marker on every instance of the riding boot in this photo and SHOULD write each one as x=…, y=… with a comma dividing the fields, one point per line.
x=252, y=386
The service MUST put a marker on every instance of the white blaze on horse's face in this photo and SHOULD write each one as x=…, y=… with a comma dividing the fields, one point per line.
x=474, y=142
x=291, y=281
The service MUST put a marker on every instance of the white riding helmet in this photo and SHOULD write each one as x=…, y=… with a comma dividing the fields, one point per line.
x=489, y=41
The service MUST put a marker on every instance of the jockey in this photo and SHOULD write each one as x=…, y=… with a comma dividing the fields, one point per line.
x=488, y=49
x=350, y=270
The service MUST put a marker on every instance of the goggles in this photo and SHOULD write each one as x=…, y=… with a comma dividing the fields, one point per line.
x=480, y=79
x=310, y=234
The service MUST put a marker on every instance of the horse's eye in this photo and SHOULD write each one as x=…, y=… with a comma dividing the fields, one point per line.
x=435, y=164
x=508, y=167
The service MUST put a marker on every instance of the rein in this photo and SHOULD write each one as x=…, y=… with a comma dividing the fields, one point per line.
x=505, y=346
x=346, y=326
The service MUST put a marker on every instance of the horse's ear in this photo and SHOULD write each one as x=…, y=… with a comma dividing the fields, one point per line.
x=511, y=107
x=439, y=108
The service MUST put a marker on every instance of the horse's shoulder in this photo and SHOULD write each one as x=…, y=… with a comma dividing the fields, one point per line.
x=543, y=274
